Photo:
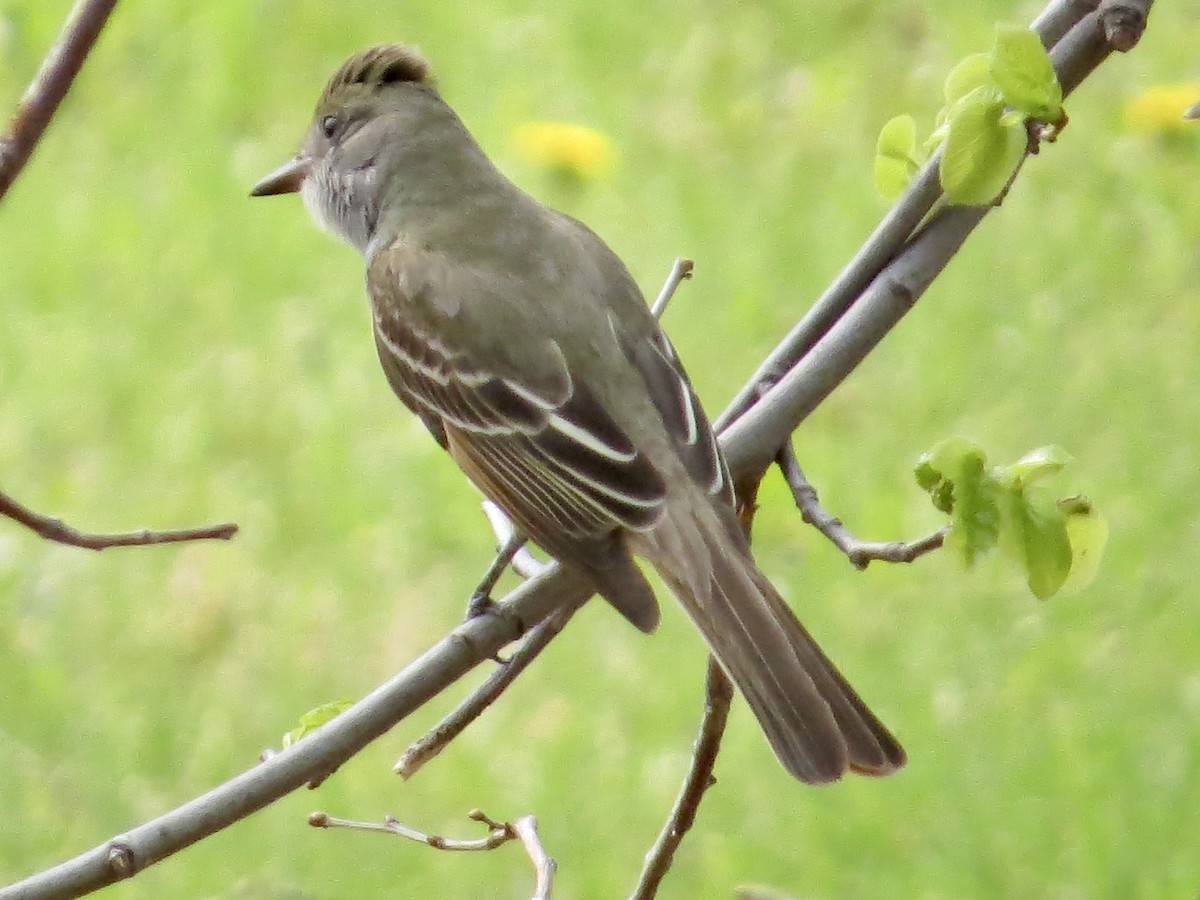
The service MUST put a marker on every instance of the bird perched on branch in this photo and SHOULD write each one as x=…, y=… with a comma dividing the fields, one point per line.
x=525, y=346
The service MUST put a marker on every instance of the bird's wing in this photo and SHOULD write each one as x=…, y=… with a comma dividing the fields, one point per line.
x=646, y=347
x=543, y=446
x=685, y=420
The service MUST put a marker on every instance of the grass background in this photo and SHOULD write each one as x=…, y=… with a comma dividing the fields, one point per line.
x=172, y=354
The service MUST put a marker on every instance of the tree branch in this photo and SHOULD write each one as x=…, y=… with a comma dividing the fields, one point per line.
x=498, y=834
x=718, y=696
x=680, y=271
x=544, y=865
x=316, y=756
x=46, y=92
x=29, y=122
x=860, y=553
x=436, y=739
x=834, y=338
x=62, y=533
x=523, y=829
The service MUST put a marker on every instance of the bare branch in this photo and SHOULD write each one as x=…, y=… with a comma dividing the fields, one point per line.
x=56, y=530
x=523, y=829
x=54, y=79
x=29, y=122
x=680, y=271
x=1124, y=22
x=1058, y=18
x=881, y=247
x=718, y=696
x=314, y=757
x=498, y=832
x=544, y=865
x=860, y=553
x=435, y=741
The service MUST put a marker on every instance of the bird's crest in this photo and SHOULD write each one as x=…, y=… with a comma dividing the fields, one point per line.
x=378, y=67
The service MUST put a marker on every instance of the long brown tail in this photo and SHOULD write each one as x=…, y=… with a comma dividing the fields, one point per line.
x=815, y=722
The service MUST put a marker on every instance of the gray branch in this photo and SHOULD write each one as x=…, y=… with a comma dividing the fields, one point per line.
x=51, y=85
x=523, y=829
x=863, y=305
x=860, y=553
x=433, y=742
x=33, y=114
x=312, y=759
x=718, y=695
x=61, y=533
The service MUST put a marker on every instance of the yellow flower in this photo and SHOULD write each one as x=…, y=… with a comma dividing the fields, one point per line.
x=572, y=150
x=1161, y=108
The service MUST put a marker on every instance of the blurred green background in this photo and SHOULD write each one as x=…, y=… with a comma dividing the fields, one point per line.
x=173, y=353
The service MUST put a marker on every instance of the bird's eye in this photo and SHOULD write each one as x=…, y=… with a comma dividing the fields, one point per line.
x=329, y=125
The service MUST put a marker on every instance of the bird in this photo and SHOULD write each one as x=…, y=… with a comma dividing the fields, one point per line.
x=524, y=345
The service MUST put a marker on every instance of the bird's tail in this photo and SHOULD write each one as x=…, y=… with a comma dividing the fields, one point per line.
x=815, y=722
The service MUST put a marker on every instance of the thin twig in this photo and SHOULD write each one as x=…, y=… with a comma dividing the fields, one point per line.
x=860, y=553
x=436, y=739
x=498, y=834
x=29, y=122
x=523, y=829
x=46, y=92
x=680, y=271
x=544, y=865
x=718, y=696
x=56, y=530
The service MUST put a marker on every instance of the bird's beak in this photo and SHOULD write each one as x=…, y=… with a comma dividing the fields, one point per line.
x=287, y=179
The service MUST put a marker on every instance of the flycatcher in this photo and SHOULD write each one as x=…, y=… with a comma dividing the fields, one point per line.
x=526, y=348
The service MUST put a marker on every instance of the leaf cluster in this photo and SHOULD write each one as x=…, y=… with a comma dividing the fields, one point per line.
x=991, y=101
x=1058, y=541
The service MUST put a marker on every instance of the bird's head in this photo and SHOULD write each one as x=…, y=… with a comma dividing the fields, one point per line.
x=373, y=112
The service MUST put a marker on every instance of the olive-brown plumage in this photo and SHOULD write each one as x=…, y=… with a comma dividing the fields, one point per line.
x=526, y=348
